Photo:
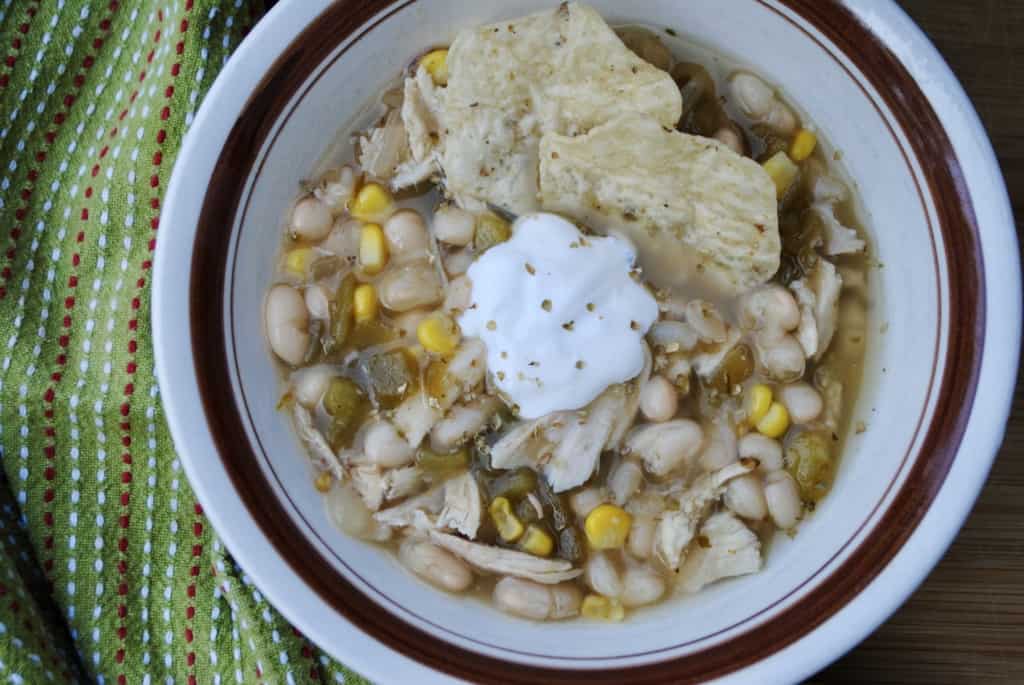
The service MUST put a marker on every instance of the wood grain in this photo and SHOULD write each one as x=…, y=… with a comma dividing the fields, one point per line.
x=966, y=623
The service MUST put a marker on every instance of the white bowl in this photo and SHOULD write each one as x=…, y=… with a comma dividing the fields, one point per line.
x=940, y=369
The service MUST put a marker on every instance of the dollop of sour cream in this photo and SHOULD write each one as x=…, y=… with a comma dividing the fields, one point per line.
x=560, y=313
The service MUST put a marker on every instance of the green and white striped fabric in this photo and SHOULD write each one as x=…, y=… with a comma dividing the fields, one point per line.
x=109, y=571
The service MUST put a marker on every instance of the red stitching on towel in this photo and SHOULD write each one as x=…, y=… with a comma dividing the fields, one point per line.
x=40, y=156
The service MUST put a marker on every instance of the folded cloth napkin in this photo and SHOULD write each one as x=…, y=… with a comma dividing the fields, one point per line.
x=109, y=571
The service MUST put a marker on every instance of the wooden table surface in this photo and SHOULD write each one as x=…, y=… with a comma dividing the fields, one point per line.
x=965, y=624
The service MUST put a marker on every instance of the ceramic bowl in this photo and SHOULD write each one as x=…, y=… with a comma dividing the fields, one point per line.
x=943, y=343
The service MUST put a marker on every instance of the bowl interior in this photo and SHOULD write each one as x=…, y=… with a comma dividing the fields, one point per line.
x=905, y=327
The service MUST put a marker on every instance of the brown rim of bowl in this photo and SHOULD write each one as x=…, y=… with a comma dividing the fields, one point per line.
x=955, y=394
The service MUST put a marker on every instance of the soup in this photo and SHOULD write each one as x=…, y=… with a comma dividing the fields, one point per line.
x=578, y=325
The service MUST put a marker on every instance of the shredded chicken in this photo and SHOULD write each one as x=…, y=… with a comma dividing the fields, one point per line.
x=676, y=528
x=506, y=561
x=565, y=446
x=415, y=416
x=576, y=456
x=818, y=297
x=729, y=549
x=415, y=511
x=403, y=482
x=839, y=239
x=666, y=447
x=462, y=505
x=383, y=148
x=628, y=416
x=323, y=455
x=371, y=485
x=831, y=389
x=706, y=363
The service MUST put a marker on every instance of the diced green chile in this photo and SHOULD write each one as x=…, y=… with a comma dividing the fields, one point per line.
x=554, y=506
x=391, y=375
x=526, y=512
x=428, y=460
x=809, y=461
x=513, y=484
x=569, y=546
x=348, y=406
x=767, y=142
x=325, y=266
x=737, y=367
x=340, y=310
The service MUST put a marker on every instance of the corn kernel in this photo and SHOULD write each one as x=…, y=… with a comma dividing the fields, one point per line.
x=436, y=64
x=372, y=203
x=759, y=400
x=373, y=249
x=782, y=171
x=509, y=527
x=298, y=260
x=537, y=542
x=364, y=303
x=775, y=422
x=324, y=481
x=803, y=145
x=607, y=526
x=601, y=608
x=438, y=334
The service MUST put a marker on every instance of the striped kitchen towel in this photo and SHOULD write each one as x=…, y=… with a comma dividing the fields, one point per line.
x=109, y=571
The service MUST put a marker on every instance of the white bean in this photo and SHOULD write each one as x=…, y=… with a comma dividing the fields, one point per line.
x=383, y=446
x=706, y=320
x=586, y=500
x=565, y=600
x=454, y=226
x=783, y=499
x=641, y=585
x=745, y=497
x=457, y=262
x=461, y=424
x=721, y=449
x=771, y=308
x=664, y=447
x=780, y=357
x=767, y=451
x=646, y=503
x=528, y=599
x=348, y=512
x=343, y=240
x=459, y=294
x=287, y=321
x=602, y=576
x=731, y=138
x=468, y=365
x=667, y=334
x=658, y=399
x=758, y=101
x=803, y=402
x=311, y=219
x=311, y=383
x=407, y=322
x=624, y=480
x=414, y=285
x=641, y=537
x=435, y=565
x=407, y=235
x=336, y=189
x=318, y=302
